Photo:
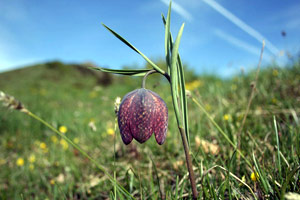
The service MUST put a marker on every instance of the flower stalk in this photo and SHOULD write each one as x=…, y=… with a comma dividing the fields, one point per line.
x=189, y=162
x=175, y=76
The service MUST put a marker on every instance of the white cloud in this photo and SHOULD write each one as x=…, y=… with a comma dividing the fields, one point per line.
x=240, y=44
x=267, y=58
x=242, y=25
x=179, y=10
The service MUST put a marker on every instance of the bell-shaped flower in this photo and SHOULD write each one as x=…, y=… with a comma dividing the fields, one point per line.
x=142, y=112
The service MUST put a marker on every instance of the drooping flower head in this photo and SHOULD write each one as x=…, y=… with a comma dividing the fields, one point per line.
x=142, y=112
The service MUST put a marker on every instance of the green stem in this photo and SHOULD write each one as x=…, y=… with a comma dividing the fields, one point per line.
x=115, y=173
x=146, y=75
x=152, y=72
x=189, y=162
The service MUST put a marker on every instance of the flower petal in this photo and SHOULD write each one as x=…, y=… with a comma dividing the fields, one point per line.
x=142, y=116
x=124, y=115
x=160, y=123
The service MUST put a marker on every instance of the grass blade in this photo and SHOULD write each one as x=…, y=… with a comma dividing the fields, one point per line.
x=176, y=190
x=129, y=72
x=135, y=49
x=182, y=189
x=167, y=35
x=158, y=182
x=174, y=75
x=278, y=149
x=183, y=99
x=262, y=176
x=180, y=76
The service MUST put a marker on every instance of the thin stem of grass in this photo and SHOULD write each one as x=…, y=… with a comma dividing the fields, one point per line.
x=115, y=174
x=157, y=178
x=176, y=190
x=278, y=149
x=254, y=141
x=253, y=85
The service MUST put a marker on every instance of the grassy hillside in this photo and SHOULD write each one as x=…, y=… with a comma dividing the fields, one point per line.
x=35, y=163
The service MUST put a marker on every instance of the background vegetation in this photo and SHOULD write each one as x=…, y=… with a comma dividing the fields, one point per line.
x=35, y=163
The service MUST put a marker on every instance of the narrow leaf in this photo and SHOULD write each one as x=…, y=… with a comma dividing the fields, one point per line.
x=156, y=173
x=176, y=190
x=183, y=99
x=167, y=35
x=129, y=72
x=135, y=49
x=262, y=176
x=174, y=75
x=278, y=148
x=182, y=80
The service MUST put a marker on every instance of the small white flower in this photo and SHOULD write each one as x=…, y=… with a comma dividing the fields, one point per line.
x=117, y=104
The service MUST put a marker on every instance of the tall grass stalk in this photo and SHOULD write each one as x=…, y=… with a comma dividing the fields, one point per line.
x=253, y=85
x=278, y=148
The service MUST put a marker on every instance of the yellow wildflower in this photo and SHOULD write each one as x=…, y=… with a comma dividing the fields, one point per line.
x=244, y=180
x=254, y=176
x=54, y=139
x=31, y=158
x=64, y=144
x=43, y=145
x=226, y=117
x=31, y=167
x=275, y=72
x=2, y=161
x=193, y=85
x=274, y=100
x=76, y=140
x=110, y=131
x=20, y=162
x=63, y=129
x=52, y=181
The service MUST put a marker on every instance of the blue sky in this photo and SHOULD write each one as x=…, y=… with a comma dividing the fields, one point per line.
x=219, y=37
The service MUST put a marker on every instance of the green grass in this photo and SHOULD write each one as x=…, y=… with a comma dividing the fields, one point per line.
x=70, y=96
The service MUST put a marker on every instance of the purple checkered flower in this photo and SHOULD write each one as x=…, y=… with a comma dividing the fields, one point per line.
x=142, y=112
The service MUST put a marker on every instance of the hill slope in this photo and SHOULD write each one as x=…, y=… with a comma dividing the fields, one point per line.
x=35, y=163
